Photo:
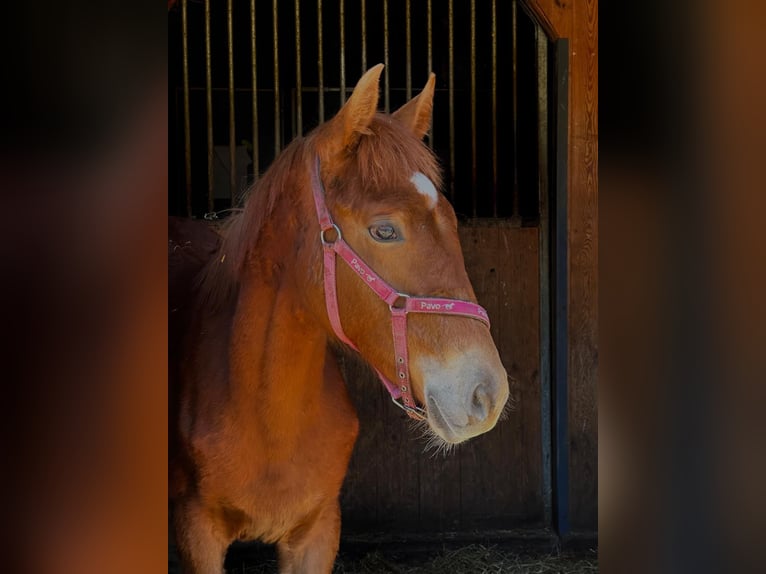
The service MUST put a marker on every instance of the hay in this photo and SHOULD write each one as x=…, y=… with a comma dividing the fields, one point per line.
x=472, y=559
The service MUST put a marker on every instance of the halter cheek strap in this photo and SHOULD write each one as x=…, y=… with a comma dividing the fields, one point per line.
x=399, y=304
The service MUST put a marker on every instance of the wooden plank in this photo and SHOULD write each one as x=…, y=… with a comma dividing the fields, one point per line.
x=559, y=284
x=439, y=493
x=500, y=472
x=555, y=16
x=520, y=352
x=359, y=496
x=480, y=248
x=399, y=449
x=583, y=270
x=381, y=490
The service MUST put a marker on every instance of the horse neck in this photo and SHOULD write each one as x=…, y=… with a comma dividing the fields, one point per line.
x=278, y=343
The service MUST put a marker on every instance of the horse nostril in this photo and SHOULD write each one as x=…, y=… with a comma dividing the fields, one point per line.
x=481, y=404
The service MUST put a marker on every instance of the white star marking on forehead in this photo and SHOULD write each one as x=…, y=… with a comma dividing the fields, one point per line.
x=426, y=187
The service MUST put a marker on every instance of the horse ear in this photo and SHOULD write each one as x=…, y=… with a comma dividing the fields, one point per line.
x=416, y=114
x=357, y=113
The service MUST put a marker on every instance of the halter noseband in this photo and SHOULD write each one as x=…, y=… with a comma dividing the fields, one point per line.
x=400, y=304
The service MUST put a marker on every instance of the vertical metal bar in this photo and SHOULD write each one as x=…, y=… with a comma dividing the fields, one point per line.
x=277, y=119
x=560, y=294
x=209, y=113
x=387, y=106
x=320, y=61
x=494, y=108
x=515, y=215
x=187, y=121
x=474, y=193
x=430, y=36
x=408, y=43
x=451, y=29
x=342, y=52
x=232, y=117
x=298, y=77
x=364, y=36
x=256, y=169
x=430, y=56
x=544, y=269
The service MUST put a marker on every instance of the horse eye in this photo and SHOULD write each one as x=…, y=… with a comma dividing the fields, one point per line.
x=384, y=232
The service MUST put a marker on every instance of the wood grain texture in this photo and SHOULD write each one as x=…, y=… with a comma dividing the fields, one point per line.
x=381, y=490
x=555, y=16
x=360, y=489
x=583, y=267
x=501, y=471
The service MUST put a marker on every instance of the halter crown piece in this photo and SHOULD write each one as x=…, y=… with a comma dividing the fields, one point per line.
x=400, y=304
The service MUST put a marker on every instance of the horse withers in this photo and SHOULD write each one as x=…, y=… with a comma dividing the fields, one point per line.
x=344, y=240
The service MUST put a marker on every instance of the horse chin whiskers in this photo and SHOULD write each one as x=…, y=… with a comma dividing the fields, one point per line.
x=512, y=402
x=434, y=444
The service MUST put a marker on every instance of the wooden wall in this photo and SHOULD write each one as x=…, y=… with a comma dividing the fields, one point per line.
x=578, y=21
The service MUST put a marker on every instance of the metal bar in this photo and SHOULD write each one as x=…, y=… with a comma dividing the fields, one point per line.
x=560, y=291
x=187, y=121
x=543, y=232
x=494, y=108
x=387, y=106
x=298, y=77
x=320, y=61
x=514, y=86
x=430, y=55
x=209, y=113
x=430, y=36
x=232, y=116
x=277, y=118
x=342, y=52
x=364, y=36
x=408, y=43
x=256, y=169
x=451, y=50
x=474, y=191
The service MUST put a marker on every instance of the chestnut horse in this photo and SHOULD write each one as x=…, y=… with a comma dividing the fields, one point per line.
x=344, y=240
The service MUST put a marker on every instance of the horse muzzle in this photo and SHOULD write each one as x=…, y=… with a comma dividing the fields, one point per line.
x=464, y=396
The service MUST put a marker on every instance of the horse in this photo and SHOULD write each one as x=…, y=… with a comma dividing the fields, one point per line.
x=345, y=240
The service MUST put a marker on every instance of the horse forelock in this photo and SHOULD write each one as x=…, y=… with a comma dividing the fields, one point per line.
x=385, y=158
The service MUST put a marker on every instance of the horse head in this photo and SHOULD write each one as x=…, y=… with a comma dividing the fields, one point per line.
x=393, y=266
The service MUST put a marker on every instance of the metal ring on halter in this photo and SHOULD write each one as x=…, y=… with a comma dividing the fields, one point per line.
x=399, y=296
x=417, y=411
x=337, y=231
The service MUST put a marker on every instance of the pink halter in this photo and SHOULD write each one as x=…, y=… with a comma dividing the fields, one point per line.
x=399, y=303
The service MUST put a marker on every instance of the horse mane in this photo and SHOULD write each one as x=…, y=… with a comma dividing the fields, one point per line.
x=383, y=159
x=218, y=282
